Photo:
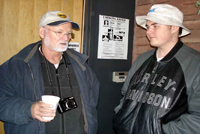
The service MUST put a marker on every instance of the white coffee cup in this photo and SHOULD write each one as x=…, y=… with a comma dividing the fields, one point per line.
x=50, y=99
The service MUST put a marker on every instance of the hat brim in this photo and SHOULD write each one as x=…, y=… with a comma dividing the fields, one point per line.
x=74, y=25
x=141, y=21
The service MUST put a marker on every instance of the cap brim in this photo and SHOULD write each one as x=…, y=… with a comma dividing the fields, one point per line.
x=185, y=31
x=74, y=25
x=141, y=21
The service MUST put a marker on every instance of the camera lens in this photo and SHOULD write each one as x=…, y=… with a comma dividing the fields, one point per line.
x=71, y=104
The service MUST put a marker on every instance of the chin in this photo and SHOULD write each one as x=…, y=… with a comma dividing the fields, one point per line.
x=153, y=44
x=61, y=49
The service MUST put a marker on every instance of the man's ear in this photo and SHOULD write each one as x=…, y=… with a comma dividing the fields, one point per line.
x=41, y=32
x=175, y=29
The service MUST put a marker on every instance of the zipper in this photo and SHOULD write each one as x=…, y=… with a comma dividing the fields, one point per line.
x=153, y=72
x=144, y=92
x=59, y=90
x=155, y=68
x=36, y=97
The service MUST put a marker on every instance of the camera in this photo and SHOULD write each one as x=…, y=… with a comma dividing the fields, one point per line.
x=67, y=104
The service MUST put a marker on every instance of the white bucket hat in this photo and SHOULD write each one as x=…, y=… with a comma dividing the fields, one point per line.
x=54, y=18
x=164, y=14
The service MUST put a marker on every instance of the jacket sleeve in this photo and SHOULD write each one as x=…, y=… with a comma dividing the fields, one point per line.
x=188, y=123
x=14, y=108
x=90, y=98
x=94, y=86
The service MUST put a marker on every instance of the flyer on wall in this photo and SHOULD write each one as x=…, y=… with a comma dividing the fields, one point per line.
x=113, y=37
x=75, y=46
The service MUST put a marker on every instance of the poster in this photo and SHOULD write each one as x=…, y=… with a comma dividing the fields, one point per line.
x=113, y=37
x=75, y=46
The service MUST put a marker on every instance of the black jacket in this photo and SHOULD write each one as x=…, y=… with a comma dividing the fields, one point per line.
x=161, y=97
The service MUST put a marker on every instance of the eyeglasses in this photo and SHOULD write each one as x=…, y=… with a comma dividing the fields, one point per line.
x=60, y=34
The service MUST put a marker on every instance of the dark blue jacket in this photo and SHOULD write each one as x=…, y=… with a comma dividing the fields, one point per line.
x=21, y=84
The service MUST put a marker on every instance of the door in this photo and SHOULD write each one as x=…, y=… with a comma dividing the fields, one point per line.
x=110, y=91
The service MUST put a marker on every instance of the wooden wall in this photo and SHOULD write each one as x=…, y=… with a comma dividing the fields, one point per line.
x=19, y=20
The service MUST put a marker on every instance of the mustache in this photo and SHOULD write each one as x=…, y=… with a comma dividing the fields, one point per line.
x=65, y=42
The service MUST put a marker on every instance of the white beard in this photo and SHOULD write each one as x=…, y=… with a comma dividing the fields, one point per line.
x=56, y=48
x=61, y=49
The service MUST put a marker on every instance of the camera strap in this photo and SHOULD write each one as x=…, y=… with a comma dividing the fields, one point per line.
x=47, y=73
x=65, y=77
x=67, y=63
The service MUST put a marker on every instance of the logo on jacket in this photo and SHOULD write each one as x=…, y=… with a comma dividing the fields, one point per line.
x=151, y=97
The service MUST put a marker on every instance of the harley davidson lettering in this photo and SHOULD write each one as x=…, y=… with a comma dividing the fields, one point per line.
x=160, y=83
x=150, y=98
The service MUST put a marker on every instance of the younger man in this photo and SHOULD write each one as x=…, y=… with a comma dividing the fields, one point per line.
x=162, y=90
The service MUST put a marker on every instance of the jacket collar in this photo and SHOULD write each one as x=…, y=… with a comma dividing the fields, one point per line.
x=171, y=54
x=79, y=58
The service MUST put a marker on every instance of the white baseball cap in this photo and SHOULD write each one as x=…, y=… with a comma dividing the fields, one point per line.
x=164, y=14
x=54, y=18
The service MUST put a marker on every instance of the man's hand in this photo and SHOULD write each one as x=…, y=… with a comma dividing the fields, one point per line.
x=40, y=109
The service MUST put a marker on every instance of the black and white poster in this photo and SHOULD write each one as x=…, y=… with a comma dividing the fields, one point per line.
x=113, y=37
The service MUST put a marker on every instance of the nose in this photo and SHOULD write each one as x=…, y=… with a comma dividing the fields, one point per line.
x=66, y=37
x=149, y=30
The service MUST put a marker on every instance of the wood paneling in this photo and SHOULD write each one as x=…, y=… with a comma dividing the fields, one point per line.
x=19, y=20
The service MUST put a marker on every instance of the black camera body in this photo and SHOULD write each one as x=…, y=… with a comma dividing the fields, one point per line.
x=67, y=104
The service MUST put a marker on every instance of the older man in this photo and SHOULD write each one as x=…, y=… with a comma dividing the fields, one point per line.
x=48, y=67
x=162, y=90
